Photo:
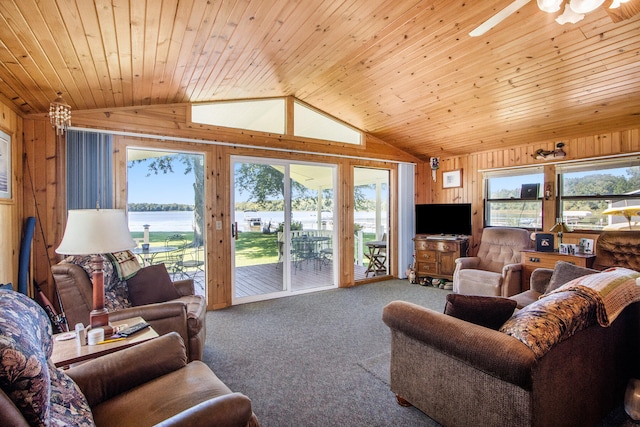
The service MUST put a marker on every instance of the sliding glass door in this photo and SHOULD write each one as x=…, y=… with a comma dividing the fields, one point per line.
x=284, y=229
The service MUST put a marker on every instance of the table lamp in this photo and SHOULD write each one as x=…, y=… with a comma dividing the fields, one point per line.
x=560, y=227
x=95, y=232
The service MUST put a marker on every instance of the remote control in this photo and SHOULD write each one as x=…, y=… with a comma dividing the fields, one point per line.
x=126, y=332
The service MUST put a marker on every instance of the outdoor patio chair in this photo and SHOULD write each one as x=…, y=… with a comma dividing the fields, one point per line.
x=174, y=260
x=194, y=263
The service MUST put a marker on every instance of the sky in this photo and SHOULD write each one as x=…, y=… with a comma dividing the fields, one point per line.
x=173, y=187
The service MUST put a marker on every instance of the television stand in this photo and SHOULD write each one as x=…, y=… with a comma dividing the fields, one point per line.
x=442, y=237
x=436, y=254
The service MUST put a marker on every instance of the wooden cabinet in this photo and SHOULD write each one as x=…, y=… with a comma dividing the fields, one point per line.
x=436, y=257
x=531, y=260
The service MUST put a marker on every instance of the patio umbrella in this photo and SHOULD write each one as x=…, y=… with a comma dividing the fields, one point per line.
x=625, y=211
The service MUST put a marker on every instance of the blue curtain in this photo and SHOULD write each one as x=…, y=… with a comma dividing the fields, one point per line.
x=89, y=170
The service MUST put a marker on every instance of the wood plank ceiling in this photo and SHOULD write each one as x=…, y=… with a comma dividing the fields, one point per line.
x=404, y=70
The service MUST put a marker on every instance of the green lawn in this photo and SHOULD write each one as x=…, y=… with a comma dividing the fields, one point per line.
x=252, y=247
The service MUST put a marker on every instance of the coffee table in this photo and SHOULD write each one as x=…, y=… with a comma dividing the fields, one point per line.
x=68, y=352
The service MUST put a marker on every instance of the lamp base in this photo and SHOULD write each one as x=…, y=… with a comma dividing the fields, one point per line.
x=100, y=319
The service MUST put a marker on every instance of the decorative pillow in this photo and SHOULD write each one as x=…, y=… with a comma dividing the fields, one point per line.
x=69, y=407
x=151, y=284
x=551, y=320
x=565, y=272
x=116, y=296
x=25, y=346
x=126, y=264
x=487, y=311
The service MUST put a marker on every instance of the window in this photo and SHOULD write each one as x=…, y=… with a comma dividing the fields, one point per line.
x=513, y=198
x=587, y=189
x=310, y=123
x=270, y=115
x=89, y=170
x=264, y=115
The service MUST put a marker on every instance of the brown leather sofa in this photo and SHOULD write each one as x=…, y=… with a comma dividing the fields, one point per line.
x=148, y=384
x=185, y=315
x=613, y=249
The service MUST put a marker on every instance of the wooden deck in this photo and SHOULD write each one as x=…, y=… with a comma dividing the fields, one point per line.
x=267, y=278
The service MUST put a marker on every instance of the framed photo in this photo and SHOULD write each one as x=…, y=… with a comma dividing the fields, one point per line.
x=452, y=179
x=5, y=166
x=586, y=246
x=568, y=248
x=544, y=242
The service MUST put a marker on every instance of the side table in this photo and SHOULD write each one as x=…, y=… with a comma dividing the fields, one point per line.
x=68, y=352
x=532, y=259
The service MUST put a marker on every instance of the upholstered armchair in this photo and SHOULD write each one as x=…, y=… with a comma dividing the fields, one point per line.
x=174, y=306
x=147, y=384
x=496, y=270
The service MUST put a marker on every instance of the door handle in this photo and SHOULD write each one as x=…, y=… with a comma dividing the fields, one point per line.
x=234, y=230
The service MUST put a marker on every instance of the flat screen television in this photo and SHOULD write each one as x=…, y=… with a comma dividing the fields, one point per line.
x=444, y=218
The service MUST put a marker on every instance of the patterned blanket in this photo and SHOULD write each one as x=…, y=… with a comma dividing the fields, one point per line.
x=573, y=307
x=612, y=290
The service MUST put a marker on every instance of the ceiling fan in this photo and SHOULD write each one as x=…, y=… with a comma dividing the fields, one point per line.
x=574, y=11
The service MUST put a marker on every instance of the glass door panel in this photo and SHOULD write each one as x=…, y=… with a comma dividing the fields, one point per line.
x=311, y=229
x=166, y=204
x=259, y=248
x=371, y=222
x=284, y=217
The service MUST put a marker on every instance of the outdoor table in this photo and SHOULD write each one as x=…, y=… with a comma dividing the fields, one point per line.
x=147, y=255
x=308, y=247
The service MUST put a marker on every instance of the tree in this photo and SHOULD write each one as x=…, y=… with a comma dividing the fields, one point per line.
x=264, y=183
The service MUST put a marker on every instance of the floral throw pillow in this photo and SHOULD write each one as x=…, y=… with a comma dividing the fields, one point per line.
x=116, y=295
x=25, y=346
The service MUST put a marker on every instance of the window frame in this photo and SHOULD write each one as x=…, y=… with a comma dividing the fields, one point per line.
x=503, y=173
x=594, y=165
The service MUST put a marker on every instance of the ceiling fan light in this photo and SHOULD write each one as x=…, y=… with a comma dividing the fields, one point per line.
x=569, y=16
x=616, y=3
x=549, y=6
x=585, y=6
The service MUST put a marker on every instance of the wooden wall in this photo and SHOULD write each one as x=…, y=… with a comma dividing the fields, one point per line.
x=595, y=146
x=11, y=209
x=168, y=127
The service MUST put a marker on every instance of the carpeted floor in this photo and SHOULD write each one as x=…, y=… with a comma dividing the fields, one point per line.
x=317, y=359
x=320, y=359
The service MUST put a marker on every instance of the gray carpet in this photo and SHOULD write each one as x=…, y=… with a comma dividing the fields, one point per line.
x=317, y=359
x=320, y=359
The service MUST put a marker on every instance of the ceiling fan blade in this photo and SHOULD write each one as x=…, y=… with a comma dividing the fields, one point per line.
x=498, y=17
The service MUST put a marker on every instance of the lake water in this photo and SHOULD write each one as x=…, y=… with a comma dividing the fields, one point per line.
x=182, y=221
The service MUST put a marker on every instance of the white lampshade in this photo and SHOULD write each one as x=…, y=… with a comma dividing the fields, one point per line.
x=96, y=231
x=585, y=6
x=549, y=6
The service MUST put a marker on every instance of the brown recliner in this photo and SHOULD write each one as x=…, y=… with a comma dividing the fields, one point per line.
x=496, y=270
x=185, y=315
x=149, y=384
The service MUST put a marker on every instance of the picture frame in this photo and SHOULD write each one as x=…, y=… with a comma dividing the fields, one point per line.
x=5, y=166
x=544, y=242
x=586, y=246
x=452, y=179
x=568, y=248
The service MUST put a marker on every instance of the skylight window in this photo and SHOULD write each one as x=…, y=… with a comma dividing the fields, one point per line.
x=310, y=123
x=269, y=115
x=264, y=115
